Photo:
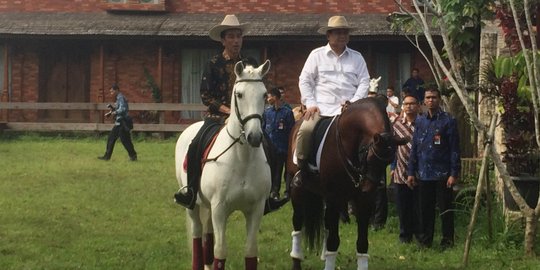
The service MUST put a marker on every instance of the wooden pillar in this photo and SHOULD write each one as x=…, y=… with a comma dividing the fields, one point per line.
x=4, y=95
x=101, y=92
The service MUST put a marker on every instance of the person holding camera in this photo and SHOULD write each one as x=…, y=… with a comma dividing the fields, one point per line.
x=123, y=124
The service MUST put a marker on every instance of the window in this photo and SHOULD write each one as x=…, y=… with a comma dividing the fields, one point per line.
x=193, y=62
x=116, y=1
x=149, y=1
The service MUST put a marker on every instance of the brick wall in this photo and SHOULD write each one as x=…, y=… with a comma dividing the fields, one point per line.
x=207, y=6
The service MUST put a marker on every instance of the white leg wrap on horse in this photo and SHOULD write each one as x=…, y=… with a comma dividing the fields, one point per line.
x=330, y=260
x=296, y=250
x=362, y=260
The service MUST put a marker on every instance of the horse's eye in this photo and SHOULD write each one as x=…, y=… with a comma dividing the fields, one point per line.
x=239, y=95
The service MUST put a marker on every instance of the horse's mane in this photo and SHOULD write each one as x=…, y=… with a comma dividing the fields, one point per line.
x=379, y=102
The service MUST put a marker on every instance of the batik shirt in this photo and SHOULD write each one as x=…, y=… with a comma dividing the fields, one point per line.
x=121, y=109
x=435, y=151
x=218, y=82
x=277, y=124
x=404, y=130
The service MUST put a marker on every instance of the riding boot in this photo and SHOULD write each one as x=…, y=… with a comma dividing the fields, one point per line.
x=362, y=261
x=273, y=204
x=186, y=199
x=301, y=175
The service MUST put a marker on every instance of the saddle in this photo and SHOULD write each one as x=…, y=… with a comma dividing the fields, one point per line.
x=317, y=139
x=198, y=150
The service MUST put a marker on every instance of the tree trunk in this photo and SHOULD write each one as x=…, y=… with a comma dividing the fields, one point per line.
x=531, y=224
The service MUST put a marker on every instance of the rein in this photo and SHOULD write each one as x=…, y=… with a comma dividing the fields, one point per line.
x=243, y=121
x=356, y=173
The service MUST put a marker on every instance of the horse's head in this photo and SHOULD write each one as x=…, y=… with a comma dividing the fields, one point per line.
x=248, y=99
x=374, y=84
x=366, y=122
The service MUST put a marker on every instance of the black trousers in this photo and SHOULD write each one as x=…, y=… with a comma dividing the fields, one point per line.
x=277, y=167
x=406, y=206
x=433, y=193
x=125, y=138
x=380, y=212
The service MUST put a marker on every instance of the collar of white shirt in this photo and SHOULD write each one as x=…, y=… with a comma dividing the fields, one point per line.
x=328, y=49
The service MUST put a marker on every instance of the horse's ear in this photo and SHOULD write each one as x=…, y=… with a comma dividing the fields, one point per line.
x=264, y=68
x=238, y=68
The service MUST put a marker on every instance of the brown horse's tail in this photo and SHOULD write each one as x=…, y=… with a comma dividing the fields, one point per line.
x=313, y=211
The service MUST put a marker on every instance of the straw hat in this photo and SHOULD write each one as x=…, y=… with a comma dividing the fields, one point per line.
x=335, y=22
x=229, y=22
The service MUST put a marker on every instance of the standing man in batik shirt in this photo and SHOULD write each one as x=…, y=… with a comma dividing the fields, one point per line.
x=405, y=196
x=434, y=168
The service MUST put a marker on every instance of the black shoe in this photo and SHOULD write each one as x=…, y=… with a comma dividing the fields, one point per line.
x=104, y=158
x=133, y=158
x=273, y=204
x=274, y=195
x=185, y=199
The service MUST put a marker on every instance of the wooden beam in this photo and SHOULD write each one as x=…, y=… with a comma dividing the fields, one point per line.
x=26, y=126
x=99, y=106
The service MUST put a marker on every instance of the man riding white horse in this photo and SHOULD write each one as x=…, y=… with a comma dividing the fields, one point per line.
x=216, y=87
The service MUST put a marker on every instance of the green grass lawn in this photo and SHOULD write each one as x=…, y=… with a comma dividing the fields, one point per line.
x=62, y=208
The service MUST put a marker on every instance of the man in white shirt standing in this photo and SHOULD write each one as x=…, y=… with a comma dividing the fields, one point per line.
x=332, y=75
x=392, y=104
x=393, y=100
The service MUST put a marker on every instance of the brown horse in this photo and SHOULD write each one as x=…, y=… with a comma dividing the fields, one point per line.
x=358, y=147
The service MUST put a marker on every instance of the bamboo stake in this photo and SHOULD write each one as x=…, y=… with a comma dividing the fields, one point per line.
x=479, y=187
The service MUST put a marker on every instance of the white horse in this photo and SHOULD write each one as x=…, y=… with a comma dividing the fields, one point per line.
x=239, y=179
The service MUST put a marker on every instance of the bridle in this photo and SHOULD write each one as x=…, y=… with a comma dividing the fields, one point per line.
x=243, y=121
x=357, y=172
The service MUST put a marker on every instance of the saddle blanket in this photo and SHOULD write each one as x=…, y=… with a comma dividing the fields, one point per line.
x=318, y=142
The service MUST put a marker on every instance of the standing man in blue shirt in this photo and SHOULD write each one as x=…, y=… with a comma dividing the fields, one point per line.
x=415, y=84
x=434, y=168
x=278, y=121
x=122, y=125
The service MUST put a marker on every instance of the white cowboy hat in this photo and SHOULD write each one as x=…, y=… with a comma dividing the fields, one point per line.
x=229, y=22
x=335, y=22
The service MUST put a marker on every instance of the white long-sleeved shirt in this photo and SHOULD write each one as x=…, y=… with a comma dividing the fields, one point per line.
x=328, y=80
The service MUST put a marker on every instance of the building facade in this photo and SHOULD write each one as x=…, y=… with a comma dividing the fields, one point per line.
x=74, y=50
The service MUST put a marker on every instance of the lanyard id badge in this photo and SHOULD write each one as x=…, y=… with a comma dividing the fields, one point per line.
x=437, y=138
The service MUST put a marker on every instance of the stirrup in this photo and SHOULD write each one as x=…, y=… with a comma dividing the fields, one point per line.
x=186, y=199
